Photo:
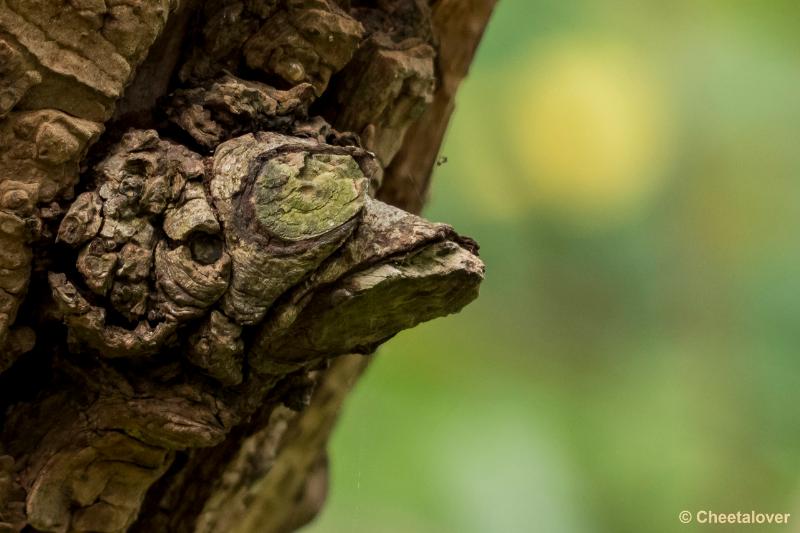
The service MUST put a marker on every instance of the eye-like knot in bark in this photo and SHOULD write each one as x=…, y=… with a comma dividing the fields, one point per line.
x=285, y=204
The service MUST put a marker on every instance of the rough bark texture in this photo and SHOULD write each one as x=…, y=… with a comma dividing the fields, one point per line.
x=205, y=215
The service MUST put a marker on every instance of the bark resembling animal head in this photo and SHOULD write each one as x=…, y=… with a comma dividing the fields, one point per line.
x=169, y=241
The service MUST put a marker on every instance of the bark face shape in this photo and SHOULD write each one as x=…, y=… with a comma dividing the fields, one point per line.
x=170, y=302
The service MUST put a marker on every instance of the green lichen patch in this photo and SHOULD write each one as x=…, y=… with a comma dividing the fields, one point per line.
x=300, y=196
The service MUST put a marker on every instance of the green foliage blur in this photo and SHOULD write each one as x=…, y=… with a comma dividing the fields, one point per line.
x=632, y=173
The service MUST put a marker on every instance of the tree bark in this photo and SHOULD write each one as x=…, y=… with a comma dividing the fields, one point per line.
x=206, y=227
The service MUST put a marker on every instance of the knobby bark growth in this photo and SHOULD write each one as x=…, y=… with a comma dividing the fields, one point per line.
x=205, y=228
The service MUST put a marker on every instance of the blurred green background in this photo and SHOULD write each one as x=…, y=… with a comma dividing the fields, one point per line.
x=631, y=172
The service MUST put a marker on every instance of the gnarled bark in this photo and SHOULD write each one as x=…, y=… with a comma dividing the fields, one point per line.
x=186, y=264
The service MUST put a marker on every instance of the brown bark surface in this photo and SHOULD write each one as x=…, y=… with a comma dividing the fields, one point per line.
x=205, y=229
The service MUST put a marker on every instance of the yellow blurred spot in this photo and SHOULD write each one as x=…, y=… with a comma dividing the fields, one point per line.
x=589, y=130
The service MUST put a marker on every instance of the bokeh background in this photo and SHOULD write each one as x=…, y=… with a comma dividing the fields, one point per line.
x=632, y=172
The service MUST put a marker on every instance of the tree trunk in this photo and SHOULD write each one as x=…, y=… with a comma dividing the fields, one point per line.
x=205, y=229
